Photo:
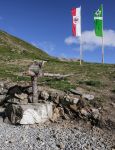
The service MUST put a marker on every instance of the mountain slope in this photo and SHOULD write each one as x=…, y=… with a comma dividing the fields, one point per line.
x=12, y=47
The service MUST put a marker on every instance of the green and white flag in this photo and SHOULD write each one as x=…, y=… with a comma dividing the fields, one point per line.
x=98, y=21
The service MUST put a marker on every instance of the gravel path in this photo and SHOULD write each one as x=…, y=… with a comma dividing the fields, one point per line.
x=53, y=136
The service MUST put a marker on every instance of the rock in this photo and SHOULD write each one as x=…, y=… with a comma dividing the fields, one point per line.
x=113, y=104
x=2, y=99
x=14, y=113
x=3, y=91
x=28, y=90
x=88, y=96
x=18, y=99
x=76, y=92
x=1, y=84
x=95, y=113
x=44, y=95
x=29, y=114
x=70, y=99
x=38, y=113
x=61, y=146
x=56, y=114
x=75, y=100
x=113, y=147
x=54, y=97
x=67, y=100
x=23, y=98
x=15, y=90
x=84, y=112
x=13, y=100
x=73, y=108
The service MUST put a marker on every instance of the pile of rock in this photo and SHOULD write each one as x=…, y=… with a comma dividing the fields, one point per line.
x=51, y=105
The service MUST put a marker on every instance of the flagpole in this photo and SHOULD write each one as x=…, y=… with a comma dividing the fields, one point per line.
x=102, y=50
x=102, y=38
x=80, y=40
x=80, y=50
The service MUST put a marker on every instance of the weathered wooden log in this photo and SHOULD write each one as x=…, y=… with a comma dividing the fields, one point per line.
x=58, y=76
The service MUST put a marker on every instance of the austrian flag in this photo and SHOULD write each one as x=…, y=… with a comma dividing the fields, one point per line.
x=76, y=21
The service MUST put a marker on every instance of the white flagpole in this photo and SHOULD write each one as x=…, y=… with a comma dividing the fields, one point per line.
x=102, y=50
x=80, y=50
x=80, y=40
x=102, y=38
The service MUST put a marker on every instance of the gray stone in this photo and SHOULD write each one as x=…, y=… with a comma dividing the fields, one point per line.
x=73, y=108
x=76, y=92
x=2, y=99
x=14, y=113
x=84, y=112
x=68, y=100
x=1, y=84
x=3, y=91
x=88, y=96
x=113, y=104
x=44, y=95
x=29, y=90
x=38, y=113
x=55, y=96
x=75, y=100
x=23, y=98
x=29, y=114
x=13, y=100
x=95, y=113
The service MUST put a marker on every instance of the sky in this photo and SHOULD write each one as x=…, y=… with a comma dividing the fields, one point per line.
x=47, y=24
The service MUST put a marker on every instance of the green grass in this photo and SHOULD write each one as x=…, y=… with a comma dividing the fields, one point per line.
x=94, y=83
x=56, y=83
x=12, y=47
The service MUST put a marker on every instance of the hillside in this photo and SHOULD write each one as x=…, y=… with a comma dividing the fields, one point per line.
x=14, y=48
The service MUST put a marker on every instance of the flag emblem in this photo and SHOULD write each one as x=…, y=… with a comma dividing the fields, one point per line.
x=76, y=21
x=98, y=21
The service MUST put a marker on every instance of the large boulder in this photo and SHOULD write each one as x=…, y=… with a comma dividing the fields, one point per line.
x=29, y=114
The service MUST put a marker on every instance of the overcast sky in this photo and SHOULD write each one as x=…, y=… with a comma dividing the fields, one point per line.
x=47, y=24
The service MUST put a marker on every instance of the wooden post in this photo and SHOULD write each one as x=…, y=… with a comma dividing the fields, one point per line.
x=34, y=89
x=35, y=71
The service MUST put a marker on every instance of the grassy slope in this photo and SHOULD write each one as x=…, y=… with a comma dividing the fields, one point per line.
x=14, y=48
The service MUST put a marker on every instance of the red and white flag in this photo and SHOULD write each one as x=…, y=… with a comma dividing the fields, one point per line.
x=76, y=21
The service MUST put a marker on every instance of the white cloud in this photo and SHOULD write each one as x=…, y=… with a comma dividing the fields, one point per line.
x=91, y=42
x=47, y=46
